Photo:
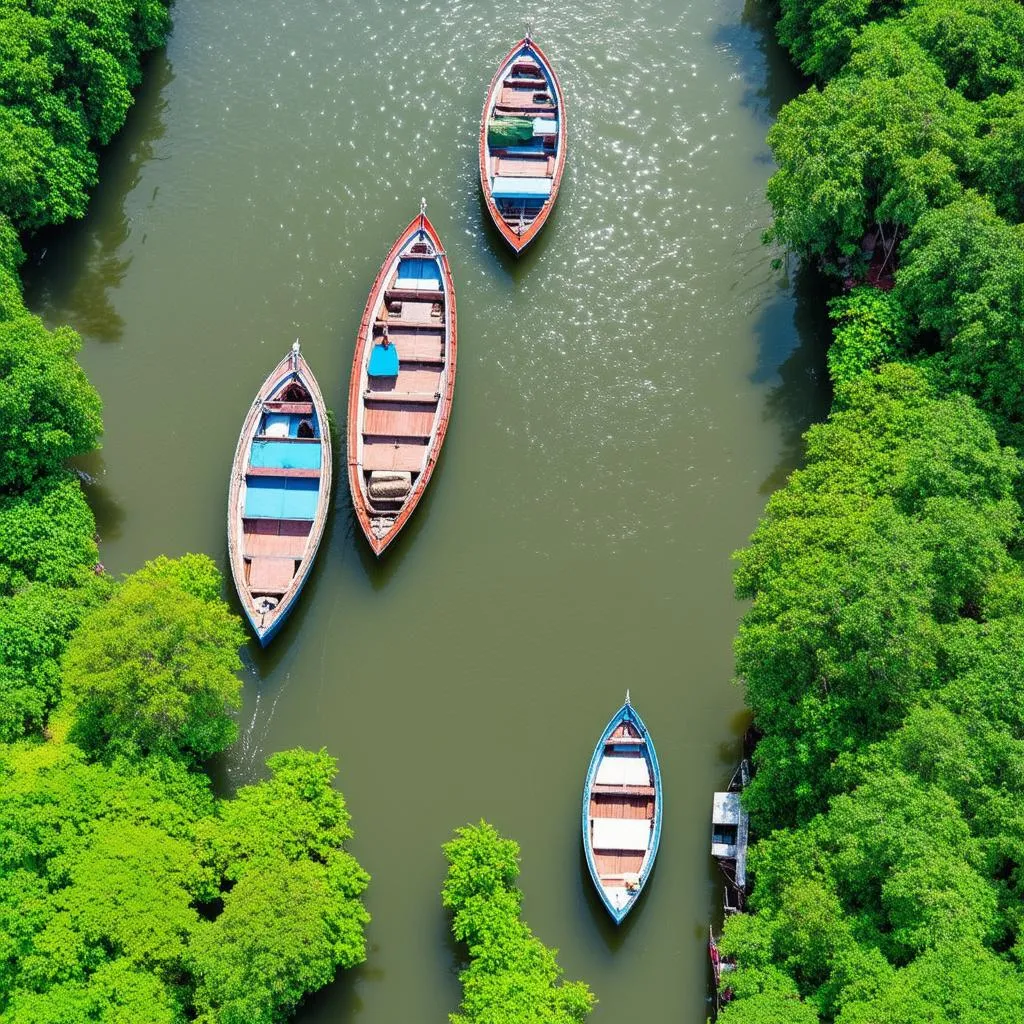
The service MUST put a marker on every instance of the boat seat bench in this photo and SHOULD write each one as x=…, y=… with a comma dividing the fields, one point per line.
x=621, y=834
x=399, y=293
x=597, y=790
x=281, y=471
x=401, y=396
x=294, y=408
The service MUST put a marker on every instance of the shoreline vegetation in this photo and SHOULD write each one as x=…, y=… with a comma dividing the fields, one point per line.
x=511, y=976
x=883, y=651
x=128, y=891
x=882, y=654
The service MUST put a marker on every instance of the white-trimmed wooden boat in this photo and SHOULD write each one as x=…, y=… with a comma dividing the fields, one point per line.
x=402, y=382
x=622, y=808
x=279, y=494
x=522, y=143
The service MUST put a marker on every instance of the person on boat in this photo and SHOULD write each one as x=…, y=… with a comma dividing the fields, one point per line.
x=385, y=340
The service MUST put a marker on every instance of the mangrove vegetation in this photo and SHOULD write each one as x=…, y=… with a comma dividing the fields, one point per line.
x=511, y=977
x=128, y=891
x=883, y=649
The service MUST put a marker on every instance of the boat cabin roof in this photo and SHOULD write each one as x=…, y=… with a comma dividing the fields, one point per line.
x=726, y=810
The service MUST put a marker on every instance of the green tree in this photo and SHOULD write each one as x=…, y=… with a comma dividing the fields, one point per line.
x=48, y=410
x=882, y=143
x=871, y=329
x=962, y=278
x=979, y=44
x=153, y=669
x=511, y=977
x=1000, y=161
x=284, y=930
x=47, y=534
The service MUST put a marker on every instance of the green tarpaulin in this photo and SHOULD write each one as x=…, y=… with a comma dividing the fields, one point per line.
x=509, y=131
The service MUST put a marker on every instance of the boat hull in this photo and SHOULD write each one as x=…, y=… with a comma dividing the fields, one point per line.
x=518, y=239
x=368, y=397
x=279, y=495
x=620, y=893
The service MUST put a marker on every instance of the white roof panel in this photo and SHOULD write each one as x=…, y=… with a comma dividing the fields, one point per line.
x=623, y=770
x=621, y=833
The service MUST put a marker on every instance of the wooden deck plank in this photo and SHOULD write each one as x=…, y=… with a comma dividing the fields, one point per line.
x=280, y=471
x=425, y=344
x=617, y=862
x=621, y=807
x=383, y=453
x=421, y=379
x=257, y=544
x=415, y=314
x=522, y=96
x=525, y=166
x=270, y=575
x=403, y=419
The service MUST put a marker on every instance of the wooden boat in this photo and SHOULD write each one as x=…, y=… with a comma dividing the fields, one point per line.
x=403, y=378
x=730, y=828
x=622, y=808
x=279, y=494
x=522, y=143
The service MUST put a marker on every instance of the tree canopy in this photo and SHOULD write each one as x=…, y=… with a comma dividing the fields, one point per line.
x=116, y=903
x=49, y=411
x=511, y=977
x=153, y=668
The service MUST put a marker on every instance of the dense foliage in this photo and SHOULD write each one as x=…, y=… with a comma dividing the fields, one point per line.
x=884, y=658
x=511, y=977
x=896, y=528
x=153, y=669
x=883, y=649
x=66, y=68
x=129, y=893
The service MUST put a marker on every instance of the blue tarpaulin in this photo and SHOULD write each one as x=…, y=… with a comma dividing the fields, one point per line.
x=419, y=273
x=281, y=497
x=285, y=454
x=383, y=361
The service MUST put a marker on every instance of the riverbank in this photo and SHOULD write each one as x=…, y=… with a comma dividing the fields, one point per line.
x=127, y=888
x=879, y=655
x=628, y=395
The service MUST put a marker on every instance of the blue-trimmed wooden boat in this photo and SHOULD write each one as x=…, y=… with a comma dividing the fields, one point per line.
x=622, y=808
x=279, y=494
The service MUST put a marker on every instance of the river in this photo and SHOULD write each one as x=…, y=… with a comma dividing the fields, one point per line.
x=629, y=392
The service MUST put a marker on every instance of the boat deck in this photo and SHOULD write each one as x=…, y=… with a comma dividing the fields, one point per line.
x=517, y=174
x=619, y=806
x=277, y=500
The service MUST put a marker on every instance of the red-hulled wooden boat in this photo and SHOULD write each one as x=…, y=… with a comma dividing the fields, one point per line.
x=522, y=143
x=403, y=378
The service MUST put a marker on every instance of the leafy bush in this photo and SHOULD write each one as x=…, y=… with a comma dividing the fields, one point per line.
x=871, y=329
x=511, y=977
x=104, y=867
x=152, y=670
